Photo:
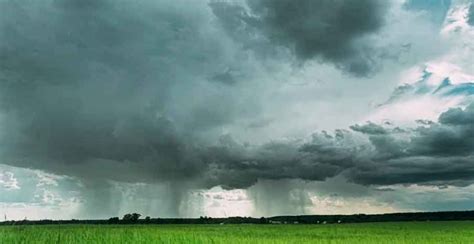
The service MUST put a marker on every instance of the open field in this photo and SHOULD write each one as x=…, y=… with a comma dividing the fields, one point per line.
x=403, y=232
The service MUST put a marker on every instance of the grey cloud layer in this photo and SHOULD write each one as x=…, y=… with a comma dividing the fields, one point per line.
x=439, y=153
x=88, y=84
x=436, y=153
x=126, y=91
x=330, y=30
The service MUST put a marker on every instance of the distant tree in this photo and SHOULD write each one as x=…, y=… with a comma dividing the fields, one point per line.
x=131, y=217
x=127, y=217
x=114, y=220
x=135, y=216
x=147, y=218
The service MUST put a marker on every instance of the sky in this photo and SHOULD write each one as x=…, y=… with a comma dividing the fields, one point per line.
x=235, y=108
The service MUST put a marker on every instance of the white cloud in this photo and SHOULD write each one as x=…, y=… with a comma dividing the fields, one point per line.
x=8, y=181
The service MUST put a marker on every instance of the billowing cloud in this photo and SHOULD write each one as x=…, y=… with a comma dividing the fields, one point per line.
x=86, y=92
x=333, y=31
x=437, y=153
x=433, y=153
x=238, y=166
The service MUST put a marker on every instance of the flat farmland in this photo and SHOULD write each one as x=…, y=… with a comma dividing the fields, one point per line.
x=396, y=232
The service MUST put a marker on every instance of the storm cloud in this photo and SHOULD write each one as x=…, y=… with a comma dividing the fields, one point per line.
x=333, y=31
x=201, y=95
x=85, y=92
x=436, y=153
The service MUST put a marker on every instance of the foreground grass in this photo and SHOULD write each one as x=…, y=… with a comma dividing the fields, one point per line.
x=410, y=232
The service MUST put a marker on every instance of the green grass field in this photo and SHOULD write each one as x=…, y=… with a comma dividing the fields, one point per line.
x=412, y=232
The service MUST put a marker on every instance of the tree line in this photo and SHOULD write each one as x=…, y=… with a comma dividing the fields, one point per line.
x=135, y=218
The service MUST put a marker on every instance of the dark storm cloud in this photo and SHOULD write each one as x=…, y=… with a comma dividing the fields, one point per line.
x=439, y=153
x=234, y=165
x=87, y=87
x=417, y=170
x=330, y=30
x=458, y=116
x=111, y=90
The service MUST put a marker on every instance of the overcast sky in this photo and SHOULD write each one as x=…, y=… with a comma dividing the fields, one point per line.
x=249, y=107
